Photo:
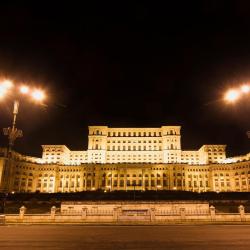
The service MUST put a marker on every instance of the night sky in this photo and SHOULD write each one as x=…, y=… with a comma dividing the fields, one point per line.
x=128, y=64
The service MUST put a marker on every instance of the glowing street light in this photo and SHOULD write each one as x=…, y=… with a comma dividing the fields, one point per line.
x=4, y=87
x=245, y=88
x=38, y=95
x=232, y=95
x=24, y=89
x=7, y=84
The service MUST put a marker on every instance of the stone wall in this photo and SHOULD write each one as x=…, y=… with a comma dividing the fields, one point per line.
x=146, y=213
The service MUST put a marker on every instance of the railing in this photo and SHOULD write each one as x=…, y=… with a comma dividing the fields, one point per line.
x=197, y=212
x=167, y=212
x=99, y=212
x=70, y=212
x=117, y=214
x=88, y=212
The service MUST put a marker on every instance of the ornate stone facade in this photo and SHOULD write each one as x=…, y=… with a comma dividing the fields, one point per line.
x=126, y=159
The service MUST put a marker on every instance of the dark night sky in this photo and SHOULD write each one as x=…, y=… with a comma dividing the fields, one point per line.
x=128, y=65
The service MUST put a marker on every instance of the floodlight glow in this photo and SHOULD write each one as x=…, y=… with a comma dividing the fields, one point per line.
x=24, y=89
x=232, y=95
x=38, y=95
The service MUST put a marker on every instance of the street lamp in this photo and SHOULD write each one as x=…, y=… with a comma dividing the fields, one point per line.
x=233, y=95
x=5, y=88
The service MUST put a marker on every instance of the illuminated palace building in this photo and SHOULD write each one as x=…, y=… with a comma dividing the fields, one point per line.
x=126, y=159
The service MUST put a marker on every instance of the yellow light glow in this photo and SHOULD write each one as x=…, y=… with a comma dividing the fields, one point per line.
x=245, y=88
x=38, y=95
x=232, y=95
x=24, y=89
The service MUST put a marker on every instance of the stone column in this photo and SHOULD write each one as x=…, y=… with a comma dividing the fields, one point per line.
x=149, y=180
x=81, y=181
x=142, y=181
x=53, y=212
x=182, y=213
x=22, y=211
x=212, y=212
x=125, y=179
x=241, y=209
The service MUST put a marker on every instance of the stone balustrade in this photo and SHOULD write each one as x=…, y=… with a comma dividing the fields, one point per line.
x=123, y=214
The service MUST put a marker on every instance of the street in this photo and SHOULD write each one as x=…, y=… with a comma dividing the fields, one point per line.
x=125, y=237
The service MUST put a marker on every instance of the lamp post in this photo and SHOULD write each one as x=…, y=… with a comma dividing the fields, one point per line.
x=36, y=94
x=12, y=132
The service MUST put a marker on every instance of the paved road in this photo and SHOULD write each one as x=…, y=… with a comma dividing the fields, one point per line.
x=200, y=237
